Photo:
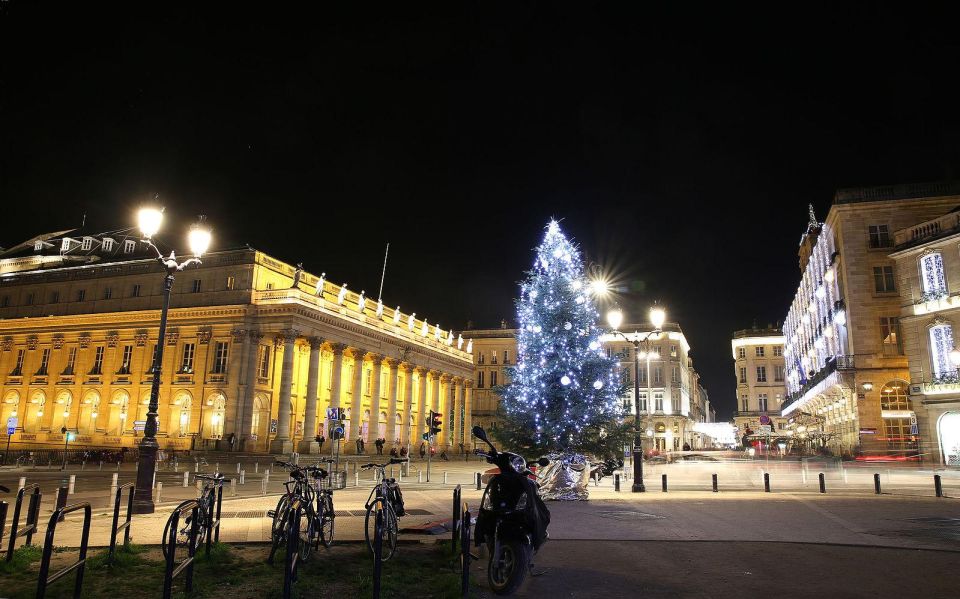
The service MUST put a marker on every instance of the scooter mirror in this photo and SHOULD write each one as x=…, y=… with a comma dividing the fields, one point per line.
x=479, y=433
x=543, y=462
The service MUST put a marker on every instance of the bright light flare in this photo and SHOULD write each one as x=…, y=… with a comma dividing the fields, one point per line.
x=615, y=318
x=149, y=220
x=199, y=239
x=658, y=316
x=599, y=287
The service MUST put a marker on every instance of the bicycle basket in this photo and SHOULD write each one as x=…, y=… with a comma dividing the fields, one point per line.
x=334, y=481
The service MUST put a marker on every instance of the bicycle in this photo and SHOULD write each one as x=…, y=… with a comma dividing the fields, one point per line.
x=385, y=497
x=207, y=502
x=317, y=517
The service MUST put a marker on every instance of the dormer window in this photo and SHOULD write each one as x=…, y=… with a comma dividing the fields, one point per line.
x=129, y=246
x=107, y=244
x=65, y=244
x=87, y=244
x=38, y=246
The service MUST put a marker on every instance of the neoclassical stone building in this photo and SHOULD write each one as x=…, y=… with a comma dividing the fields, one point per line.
x=256, y=350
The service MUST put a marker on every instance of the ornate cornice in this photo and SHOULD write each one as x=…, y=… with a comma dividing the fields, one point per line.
x=140, y=338
x=315, y=343
x=204, y=334
x=113, y=337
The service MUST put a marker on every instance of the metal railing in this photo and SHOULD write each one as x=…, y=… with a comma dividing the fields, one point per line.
x=45, y=578
x=33, y=515
x=125, y=527
x=457, y=513
x=292, y=559
x=172, y=569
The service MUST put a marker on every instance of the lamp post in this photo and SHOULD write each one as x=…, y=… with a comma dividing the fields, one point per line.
x=615, y=318
x=199, y=240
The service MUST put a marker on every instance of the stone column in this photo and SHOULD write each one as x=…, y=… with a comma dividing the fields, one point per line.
x=421, y=417
x=373, y=429
x=446, y=382
x=308, y=444
x=336, y=372
x=394, y=382
x=234, y=408
x=281, y=443
x=407, y=408
x=435, y=398
x=460, y=434
x=356, y=403
x=468, y=413
x=245, y=417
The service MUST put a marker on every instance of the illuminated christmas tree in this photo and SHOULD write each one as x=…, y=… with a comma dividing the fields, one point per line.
x=564, y=392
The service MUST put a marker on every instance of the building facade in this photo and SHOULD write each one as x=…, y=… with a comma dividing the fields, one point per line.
x=760, y=373
x=846, y=368
x=672, y=398
x=255, y=352
x=927, y=259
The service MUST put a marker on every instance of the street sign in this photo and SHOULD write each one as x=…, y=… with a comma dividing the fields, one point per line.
x=868, y=431
x=12, y=422
x=332, y=413
x=10, y=430
x=765, y=429
x=764, y=419
x=139, y=425
x=339, y=431
x=914, y=429
x=273, y=425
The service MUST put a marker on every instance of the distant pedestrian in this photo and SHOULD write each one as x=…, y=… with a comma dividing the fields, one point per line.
x=320, y=440
x=232, y=440
x=359, y=446
x=423, y=450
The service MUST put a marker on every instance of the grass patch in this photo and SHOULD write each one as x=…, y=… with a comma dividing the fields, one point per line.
x=240, y=571
x=22, y=558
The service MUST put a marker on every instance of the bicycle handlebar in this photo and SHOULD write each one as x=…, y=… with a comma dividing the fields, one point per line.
x=392, y=461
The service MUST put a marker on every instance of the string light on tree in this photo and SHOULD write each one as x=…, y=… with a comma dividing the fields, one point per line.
x=563, y=390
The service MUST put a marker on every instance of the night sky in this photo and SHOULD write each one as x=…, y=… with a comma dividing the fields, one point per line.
x=680, y=146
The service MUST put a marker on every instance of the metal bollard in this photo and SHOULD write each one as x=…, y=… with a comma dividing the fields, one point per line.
x=82, y=466
x=766, y=482
x=823, y=483
x=663, y=481
x=72, y=484
x=444, y=477
x=22, y=483
x=844, y=471
x=118, y=466
x=715, y=483
x=114, y=484
x=62, y=493
x=159, y=491
x=154, y=484
x=238, y=467
x=263, y=486
x=616, y=482
x=400, y=472
x=478, y=481
x=876, y=483
x=419, y=476
x=216, y=467
x=101, y=465
x=196, y=467
x=256, y=467
x=186, y=478
x=803, y=476
x=937, y=485
x=243, y=477
x=233, y=487
x=356, y=479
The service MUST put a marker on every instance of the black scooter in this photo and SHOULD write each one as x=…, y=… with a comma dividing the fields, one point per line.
x=512, y=520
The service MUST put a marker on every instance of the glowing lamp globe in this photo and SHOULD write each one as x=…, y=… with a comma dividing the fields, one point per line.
x=149, y=221
x=658, y=316
x=199, y=239
x=615, y=319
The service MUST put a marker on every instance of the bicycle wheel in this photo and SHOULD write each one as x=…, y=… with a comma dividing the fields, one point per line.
x=183, y=534
x=327, y=516
x=308, y=533
x=388, y=533
x=278, y=528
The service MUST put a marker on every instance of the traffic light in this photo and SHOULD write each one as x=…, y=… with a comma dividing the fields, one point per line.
x=425, y=436
x=435, y=422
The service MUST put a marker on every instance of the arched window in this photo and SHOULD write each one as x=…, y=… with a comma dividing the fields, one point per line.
x=88, y=412
x=62, y=410
x=183, y=405
x=11, y=408
x=118, y=412
x=260, y=417
x=948, y=431
x=217, y=403
x=34, y=412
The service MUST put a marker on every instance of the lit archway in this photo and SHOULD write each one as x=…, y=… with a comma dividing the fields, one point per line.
x=948, y=432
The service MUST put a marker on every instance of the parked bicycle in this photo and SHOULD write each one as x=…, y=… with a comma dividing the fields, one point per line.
x=314, y=487
x=384, y=497
x=207, y=502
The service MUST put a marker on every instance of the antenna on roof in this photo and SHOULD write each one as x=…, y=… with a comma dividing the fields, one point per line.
x=384, y=275
x=83, y=223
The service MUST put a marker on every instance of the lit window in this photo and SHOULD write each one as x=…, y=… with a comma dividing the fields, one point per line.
x=87, y=244
x=126, y=360
x=741, y=352
x=941, y=344
x=778, y=373
x=129, y=246
x=98, y=361
x=762, y=399
x=107, y=244
x=44, y=362
x=778, y=350
x=743, y=375
x=759, y=351
x=932, y=277
x=890, y=335
x=673, y=351
x=658, y=402
x=230, y=283
x=220, y=357
x=744, y=403
x=186, y=364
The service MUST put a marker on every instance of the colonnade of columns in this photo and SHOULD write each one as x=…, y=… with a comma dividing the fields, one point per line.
x=365, y=383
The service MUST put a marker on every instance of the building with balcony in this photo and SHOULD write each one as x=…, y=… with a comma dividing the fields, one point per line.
x=760, y=372
x=672, y=397
x=927, y=259
x=255, y=351
x=846, y=368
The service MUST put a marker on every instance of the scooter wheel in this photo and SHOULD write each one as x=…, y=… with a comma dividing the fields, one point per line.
x=507, y=574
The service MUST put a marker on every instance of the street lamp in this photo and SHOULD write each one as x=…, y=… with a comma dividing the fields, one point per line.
x=149, y=220
x=657, y=317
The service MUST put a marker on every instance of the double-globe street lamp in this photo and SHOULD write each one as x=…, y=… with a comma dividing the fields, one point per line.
x=150, y=220
x=657, y=317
